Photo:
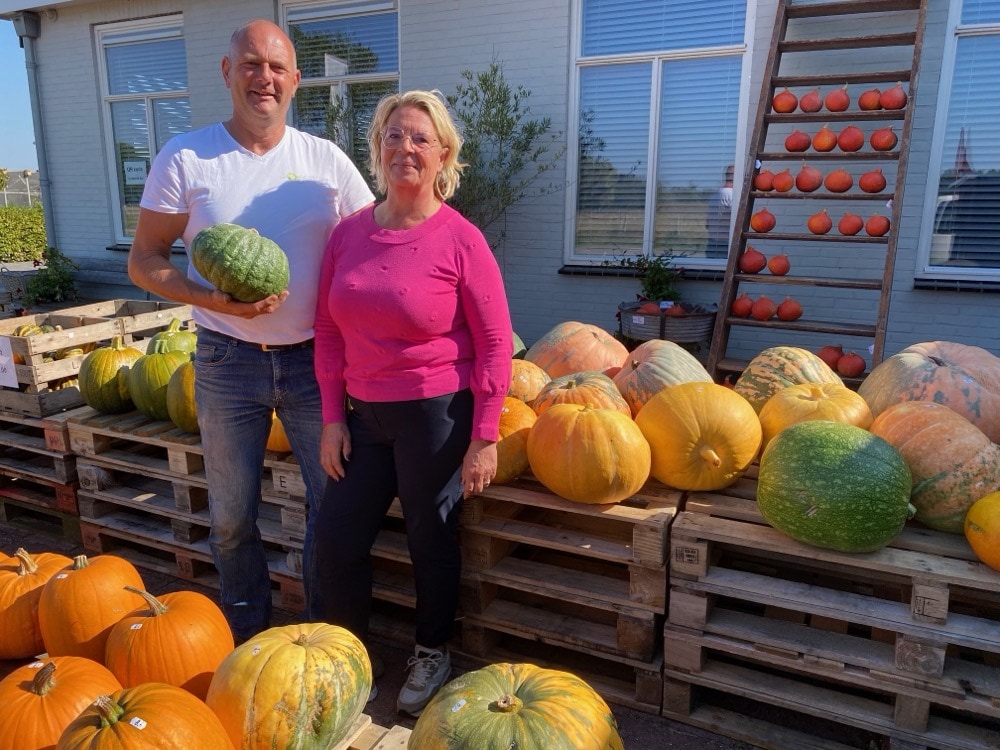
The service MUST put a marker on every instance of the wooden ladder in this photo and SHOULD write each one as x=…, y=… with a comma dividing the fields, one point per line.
x=808, y=52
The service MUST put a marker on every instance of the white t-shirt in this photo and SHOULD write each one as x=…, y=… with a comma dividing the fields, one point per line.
x=295, y=195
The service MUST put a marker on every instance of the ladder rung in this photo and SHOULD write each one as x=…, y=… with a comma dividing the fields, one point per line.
x=881, y=76
x=805, y=237
x=827, y=116
x=849, y=42
x=814, y=326
x=814, y=156
x=766, y=278
x=823, y=195
x=849, y=7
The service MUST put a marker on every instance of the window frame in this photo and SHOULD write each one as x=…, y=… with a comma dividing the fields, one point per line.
x=955, y=31
x=130, y=32
x=656, y=60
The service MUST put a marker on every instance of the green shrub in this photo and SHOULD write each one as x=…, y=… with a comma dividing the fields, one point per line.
x=54, y=282
x=22, y=233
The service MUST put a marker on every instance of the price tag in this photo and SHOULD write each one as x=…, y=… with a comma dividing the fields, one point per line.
x=8, y=376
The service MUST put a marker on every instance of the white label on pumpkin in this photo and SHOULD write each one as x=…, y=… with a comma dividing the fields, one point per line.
x=135, y=626
x=458, y=706
x=62, y=575
x=138, y=723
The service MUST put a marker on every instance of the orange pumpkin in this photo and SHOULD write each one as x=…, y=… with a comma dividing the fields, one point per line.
x=516, y=421
x=81, y=603
x=526, y=380
x=982, y=529
x=277, y=439
x=964, y=378
x=594, y=388
x=152, y=715
x=703, y=436
x=576, y=347
x=654, y=365
x=588, y=455
x=40, y=699
x=779, y=367
x=22, y=578
x=952, y=462
x=179, y=638
x=809, y=401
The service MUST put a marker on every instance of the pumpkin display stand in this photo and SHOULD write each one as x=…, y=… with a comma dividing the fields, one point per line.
x=693, y=327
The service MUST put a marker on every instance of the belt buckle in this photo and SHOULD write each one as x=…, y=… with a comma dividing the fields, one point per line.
x=269, y=348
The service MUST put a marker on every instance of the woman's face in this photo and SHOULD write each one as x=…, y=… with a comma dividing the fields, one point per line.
x=412, y=154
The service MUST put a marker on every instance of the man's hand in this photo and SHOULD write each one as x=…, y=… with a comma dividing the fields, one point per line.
x=223, y=303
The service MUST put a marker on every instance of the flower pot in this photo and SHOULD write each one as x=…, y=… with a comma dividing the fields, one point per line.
x=693, y=327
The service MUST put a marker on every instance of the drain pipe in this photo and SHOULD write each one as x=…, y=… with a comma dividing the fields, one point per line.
x=28, y=26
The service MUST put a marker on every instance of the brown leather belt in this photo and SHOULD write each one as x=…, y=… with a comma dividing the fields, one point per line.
x=280, y=347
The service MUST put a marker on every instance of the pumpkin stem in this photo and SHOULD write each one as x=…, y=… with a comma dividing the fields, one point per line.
x=816, y=392
x=509, y=704
x=302, y=640
x=109, y=710
x=118, y=343
x=710, y=456
x=28, y=565
x=43, y=681
x=156, y=607
x=80, y=561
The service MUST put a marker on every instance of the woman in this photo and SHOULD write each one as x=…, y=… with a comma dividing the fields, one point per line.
x=413, y=330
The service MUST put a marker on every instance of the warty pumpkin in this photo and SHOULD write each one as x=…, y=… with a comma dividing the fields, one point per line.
x=953, y=463
x=151, y=715
x=523, y=706
x=964, y=378
x=178, y=638
x=319, y=675
x=654, y=365
x=576, y=347
x=41, y=698
x=22, y=578
x=104, y=377
x=149, y=376
x=779, y=367
x=593, y=388
x=703, y=436
x=516, y=421
x=181, y=407
x=81, y=603
x=526, y=380
x=810, y=401
x=240, y=262
x=588, y=455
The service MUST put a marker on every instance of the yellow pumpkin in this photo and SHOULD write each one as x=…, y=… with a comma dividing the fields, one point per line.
x=594, y=388
x=516, y=421
x=703, y=436
x=526, y=380
x=982, y=529
x=588, y=455
x=810, y=401
x=277, y=440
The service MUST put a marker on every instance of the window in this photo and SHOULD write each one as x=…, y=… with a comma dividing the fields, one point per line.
x=658, y=100
x=962, y=217
x=348, y=53
x=144, y=87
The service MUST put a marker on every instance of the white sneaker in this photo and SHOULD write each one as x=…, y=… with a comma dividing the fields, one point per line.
x=429, y=668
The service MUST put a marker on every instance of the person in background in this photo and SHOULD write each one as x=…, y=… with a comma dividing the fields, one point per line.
x=252, y=358
x=413, y=330
x=717, y=218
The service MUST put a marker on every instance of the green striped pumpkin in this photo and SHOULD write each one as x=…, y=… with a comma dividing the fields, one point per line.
x=240, y=262
x=835, y=486
x=178, y=340
x=104, y=377
x=503, y=706
x=779, y=367
x=149, y=377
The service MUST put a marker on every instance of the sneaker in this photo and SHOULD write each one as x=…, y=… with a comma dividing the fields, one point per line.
x=373, y=693
x=429, y=668
x=378, y=665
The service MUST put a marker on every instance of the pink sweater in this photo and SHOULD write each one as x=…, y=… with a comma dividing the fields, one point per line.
x=411, y=314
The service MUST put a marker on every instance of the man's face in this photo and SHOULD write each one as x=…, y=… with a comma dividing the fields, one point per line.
x=260, y=73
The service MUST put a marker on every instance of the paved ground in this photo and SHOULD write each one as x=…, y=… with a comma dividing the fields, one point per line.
x=639, y=731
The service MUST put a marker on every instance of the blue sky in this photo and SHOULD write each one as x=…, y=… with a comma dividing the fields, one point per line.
x=17, y=143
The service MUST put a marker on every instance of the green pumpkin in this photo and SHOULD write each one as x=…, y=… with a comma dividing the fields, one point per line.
x=104, y=377
x=178, y=340
x=149, y=376
x=180, y=399
x=240, y=262
x=834, y=486
x=519, y=348
x=503, y=706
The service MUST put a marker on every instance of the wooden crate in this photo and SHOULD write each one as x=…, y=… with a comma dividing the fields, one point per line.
x=903, y=643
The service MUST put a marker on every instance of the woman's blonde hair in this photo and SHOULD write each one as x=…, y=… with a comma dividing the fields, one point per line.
x=431, y=104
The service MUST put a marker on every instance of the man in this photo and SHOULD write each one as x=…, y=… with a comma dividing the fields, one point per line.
x=717, y=218
x=256, y=171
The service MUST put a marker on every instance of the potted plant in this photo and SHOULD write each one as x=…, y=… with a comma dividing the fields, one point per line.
x=658, y=311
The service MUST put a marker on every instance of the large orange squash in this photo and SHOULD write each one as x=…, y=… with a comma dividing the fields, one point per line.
x=516, y=421
x=982, y=529
x=593, y=388
x=588, y=455
x=152, y=715
x=703, y=436
x=41, y=698
x=81, y=603
x=810, y=401
x=779, y=367
x=576, y=347
x=964, y=378
x=526, y=380
x=952, y=462
x=22, y=578
x=654, y=365
x=179, y=638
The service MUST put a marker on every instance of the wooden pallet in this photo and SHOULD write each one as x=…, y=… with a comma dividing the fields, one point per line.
x=18, y=508
x=374, y=737
x=903, y=642
x=44, y=494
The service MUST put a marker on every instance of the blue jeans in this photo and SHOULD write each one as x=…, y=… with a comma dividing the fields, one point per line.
x=236, y=386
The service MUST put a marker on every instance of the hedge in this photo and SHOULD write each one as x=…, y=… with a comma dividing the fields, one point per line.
x=22, y=233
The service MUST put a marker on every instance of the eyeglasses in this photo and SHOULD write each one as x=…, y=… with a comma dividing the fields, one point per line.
x=394, y=137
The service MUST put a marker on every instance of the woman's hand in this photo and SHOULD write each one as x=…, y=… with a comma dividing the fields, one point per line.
x=335, y=448
x=478, y=467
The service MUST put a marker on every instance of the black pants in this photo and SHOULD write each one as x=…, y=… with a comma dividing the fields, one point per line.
x=413, y=450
